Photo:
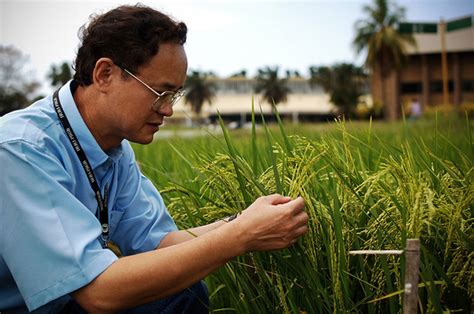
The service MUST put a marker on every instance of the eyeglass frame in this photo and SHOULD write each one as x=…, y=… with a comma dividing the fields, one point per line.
x=156, y=105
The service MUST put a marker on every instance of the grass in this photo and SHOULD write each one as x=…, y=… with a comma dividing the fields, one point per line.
x=366, y=186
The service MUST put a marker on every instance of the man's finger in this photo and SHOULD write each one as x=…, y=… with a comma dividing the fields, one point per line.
x=301, y=231
x=295, y=205
x=301, y=218
x=277, y=199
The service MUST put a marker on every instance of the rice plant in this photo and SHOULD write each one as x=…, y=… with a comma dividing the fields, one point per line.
x=365, y=188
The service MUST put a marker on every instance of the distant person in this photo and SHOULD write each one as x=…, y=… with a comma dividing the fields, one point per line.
x=70, y=184
x=415, y=109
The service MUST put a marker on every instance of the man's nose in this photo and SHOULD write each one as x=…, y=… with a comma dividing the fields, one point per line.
x=166, y=109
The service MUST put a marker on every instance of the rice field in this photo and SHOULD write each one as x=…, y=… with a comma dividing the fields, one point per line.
x=366, y=186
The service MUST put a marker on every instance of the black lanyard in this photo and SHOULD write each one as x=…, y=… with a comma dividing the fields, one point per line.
x=102, y=202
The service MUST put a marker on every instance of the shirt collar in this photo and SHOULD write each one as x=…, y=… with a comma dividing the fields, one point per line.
x=94, y=152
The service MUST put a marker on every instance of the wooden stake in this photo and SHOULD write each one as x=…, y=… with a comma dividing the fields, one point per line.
x=412, y=271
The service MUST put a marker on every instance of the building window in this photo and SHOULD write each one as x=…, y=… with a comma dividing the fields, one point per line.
x=467, y=86
x=410, y=28
x=437, y=86
x=410, y=88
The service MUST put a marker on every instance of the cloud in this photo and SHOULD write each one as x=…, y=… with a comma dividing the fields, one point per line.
x=201, y=19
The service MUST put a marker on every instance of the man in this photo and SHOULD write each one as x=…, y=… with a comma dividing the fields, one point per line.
x=415, y=109
x=70, y=184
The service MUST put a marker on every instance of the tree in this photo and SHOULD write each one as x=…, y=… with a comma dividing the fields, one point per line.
x=293, y=74
x=199, y=89
x=344, y=83
x=16, y=90
x=59, y=75
x=241, y=73
x=385, y=46
x=274, y=89
x=10, y=101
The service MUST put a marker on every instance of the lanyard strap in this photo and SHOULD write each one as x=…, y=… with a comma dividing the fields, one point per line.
x=102, y=202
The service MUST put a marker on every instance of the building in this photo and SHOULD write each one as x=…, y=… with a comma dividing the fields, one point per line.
x=233, y=101
x=422, y=78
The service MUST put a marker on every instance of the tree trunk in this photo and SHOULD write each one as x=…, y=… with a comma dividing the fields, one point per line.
x=382, y=88
x=389, y=78
x=392, y=96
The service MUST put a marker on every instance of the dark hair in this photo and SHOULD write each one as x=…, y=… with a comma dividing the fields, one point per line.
x=129, y=35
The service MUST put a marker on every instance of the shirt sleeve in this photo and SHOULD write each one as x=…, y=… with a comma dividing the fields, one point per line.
x=48, y=238
x=144, y=219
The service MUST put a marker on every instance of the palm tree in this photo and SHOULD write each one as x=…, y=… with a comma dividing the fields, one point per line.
x=344, y=82
x=385, y=46
x=275, y=90
x=199, y=90
x=241, y=73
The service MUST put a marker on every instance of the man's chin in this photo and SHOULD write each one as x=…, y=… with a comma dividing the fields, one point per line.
x=142, y=140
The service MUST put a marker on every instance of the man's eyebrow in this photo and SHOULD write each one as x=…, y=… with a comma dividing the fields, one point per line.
x=169, y=86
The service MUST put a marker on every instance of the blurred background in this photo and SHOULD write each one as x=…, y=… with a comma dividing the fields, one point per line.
x=305, y=50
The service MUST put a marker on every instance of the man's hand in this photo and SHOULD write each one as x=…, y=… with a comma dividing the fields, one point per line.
x=272, y=222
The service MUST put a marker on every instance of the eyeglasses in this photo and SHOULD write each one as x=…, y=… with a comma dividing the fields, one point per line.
x=166, y=97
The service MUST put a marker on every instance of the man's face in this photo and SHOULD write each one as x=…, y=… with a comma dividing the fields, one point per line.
x=133, y=116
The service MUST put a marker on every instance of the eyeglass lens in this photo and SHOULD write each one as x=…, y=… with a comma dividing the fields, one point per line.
x=167, y=98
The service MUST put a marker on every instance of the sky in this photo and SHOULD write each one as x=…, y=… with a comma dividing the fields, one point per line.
x=224, y=36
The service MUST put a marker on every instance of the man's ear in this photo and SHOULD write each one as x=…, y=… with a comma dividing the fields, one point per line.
x=103, y=73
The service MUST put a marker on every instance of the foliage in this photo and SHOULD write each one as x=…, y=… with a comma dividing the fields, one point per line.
x=199, y=90
x=274, y=89
x=344, y=82
x=59, y=74
x=16, y=89
x=293, y=74
x=468, y=109
x=365, y=187
x=378, y=35
x=241, y=73
x=10, y=101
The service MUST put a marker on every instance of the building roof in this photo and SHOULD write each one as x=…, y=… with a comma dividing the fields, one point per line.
x=459, y=35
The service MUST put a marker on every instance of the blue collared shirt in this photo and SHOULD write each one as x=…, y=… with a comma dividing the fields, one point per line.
x=49, y=233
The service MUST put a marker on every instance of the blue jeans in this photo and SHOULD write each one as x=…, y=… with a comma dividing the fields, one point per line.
x=193, y=300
